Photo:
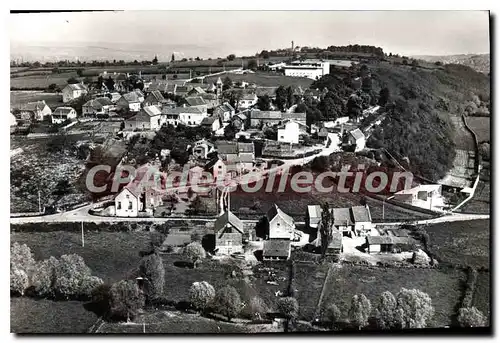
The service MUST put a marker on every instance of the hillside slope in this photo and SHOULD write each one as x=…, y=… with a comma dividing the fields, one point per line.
x=478, y=62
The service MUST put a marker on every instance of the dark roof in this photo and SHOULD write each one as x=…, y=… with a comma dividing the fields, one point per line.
x=76, y=87
x=178, y=110
x=276, y=248
x=183, y=89
x=209, y=96
x=33, y=106
x=93, y=103
x=195, y=101
x=208, y=120
x=104, y=101
x=387, y=240
x=156, y=94
x=226, y=147
x=228, y=218
x=210, y=164
x=336, y=242
x=266, y=115
x=299, y=117
x=246, y=147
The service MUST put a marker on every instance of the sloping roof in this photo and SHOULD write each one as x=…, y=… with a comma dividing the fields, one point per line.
x=225, y=107
x=342, y=216
x=336, y=242
x=314, y=211
x=209, y=165
x=374, y=240
x=131, y=97
x=226, y=148
x=361, y=214
x=228, y=218
x=183, y=89
x=209, y=96
x=208, y=120
x=151, y=111
x=198, y=89
x=76, y=87
x=276, y=248
x=33, y=106
x=94, y=104
x=104, y=101
x=251, y=96
x=246, y=147
x=156, y=94
x=299, y=117
x=357, y=134
x=195, y=101
x=179, y=110
x=419, y=188
x=161, y=86
x=266, y=115
x=171, y=88
x=276, y=211
x=62, y=110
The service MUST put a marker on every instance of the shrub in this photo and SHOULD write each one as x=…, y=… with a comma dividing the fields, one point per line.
x=21, y=258
x=360, y=310
x=227, y=302
x=18, y=281
x=194, y=251
x=470, y=287
x=201, y=295
x=151, y=268
x=88, y=284
x=471, y=317
x=44, y=277
x=256, y=309
x=332, y=314
x=288, y=307
x=100, y=297
x=125, y=299
x=70, y=273
x=156, y=239
x=414, y=309
x=386, y=310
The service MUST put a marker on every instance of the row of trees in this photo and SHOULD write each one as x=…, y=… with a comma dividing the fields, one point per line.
x=65, y=278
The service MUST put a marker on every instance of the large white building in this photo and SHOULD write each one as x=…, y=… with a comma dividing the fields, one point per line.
x=289, y=132
x=312, y=69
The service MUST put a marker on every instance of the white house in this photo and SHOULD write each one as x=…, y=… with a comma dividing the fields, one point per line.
x=213, y=123
x=355, y=220
x=289, y=132
x=37, y=110
x=202, y=148
x=312, y=69
x=127, y=202
x=425, y=196
x=148, y=118
x=281, y=225
x=97, y=106
x=313, y=215
x=130, y=101
x=224, y=111
x=357, y=138
x=247, y=101
x=73, y=91
x=61, y=114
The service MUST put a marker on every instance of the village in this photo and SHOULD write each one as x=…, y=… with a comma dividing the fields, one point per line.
x=201, y=175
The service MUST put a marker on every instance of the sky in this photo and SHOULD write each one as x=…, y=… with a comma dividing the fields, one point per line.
x=247, y=32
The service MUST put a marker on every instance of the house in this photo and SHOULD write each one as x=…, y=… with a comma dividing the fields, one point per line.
x=289, y=132
x=148, y=118
x=281, y=225
x=160, y=86
x=13, y=120
x=191, y=116
x=128, y=202
x=211, y=100
x=197, y=102
x=237, y=152
x=388, y=244
x=358, y=139
x=313, y=216
x=183, y=91
x=335, y=245
x=129, y=102
x=239, y=121
x=101, y=105
x=216, y=167
x=37, y=110
x=225, y=112
x=228, y=231
x=356, y=220
x=73, y=91
x=202, y=148
x=247, y=100
x=120, y=80
x=115, y=96
x=264, y=118
x=276, y=249
x=297, y=117
x=312, y=69
x=213, y=123
x=61, y=114
x=197, y=90
x=154, y=98
x=425, y=196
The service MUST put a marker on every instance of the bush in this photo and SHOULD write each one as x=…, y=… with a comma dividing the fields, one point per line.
x=470, y=287
x=100, y=297
x=288, y=307
x=256, y=309
x=21, y=258
x=44, y=277
x=360, y=310
x=70, y=273
x=201, y=295
x=18, y=281
x=471, y=317
x=227, y=302
x=151, y=268
x=88, y=285
x=156, y=239
x=194, y=251
x=332, y=314
x=125, y=299
x=414, y=309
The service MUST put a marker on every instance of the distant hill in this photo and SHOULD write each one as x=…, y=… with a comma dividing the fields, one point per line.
x=478, y=62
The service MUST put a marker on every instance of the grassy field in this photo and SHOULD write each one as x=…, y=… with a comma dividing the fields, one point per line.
x=480, y=203
x=481, y=126
x=45, y=316
x=444, y=288
x=482, y=298
x=41, y=81
x=110, y=255
x=18, y=98
x=267, y=79
x=462, y=242
x=309, y=280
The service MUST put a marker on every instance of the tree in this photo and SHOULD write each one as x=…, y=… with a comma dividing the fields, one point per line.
x=156, y=240
x=256, y=308
x=88, y=284
x=264, y=54
x=229, y=132
x=79, y=72
x=252, y=64
x=471, y=317
x=227, y=83
x=201, y=295
x=195, y=252
x=110, y=84
x=21, y=258
x=264, y=103
x=288, y=307
x=326, y=229
x=405, y=61
x=52, y=88
x=155, y=60
x=366, y=84
x=173, y=58
x=360, y=310
x=227, y=302
x=70, y=273
x=19, y=281
x=332, y=314
x=44, y=277
x=231, y=57
x=125, y=299
x=72, y=80
x=414, y=308
x=384, y=96
x=281, y=98
x=151, y=268
x=386, y=310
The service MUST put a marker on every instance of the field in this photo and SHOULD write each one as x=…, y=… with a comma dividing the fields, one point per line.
x=482, y=298
x=444, y=288
x=480, y=203
x=22, y=97
x=481, y=126
x=110, y=255
x=461, y=242
x=45, y=316
x=266, y=79
x=41, y=81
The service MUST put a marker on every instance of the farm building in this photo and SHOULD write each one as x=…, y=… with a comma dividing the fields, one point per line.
x=356, y=219
x=37, y=110
x=97, y=106
x=388, y=244
x=154, y=98
x=130, y=102
x=61, y=114
x=281, y=225
x=196, y=102
x=425, y=196
x=358, y=139
x=228, y=234
x=73, y=91
x=264, y=118
x=276, y=249
x=148, y=118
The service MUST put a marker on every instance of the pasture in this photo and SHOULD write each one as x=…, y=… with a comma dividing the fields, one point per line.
x=481, y=126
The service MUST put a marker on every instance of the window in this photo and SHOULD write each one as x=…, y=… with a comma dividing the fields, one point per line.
x=130, y=205
x=119, y=205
